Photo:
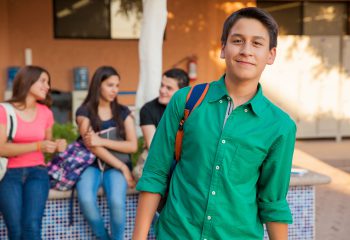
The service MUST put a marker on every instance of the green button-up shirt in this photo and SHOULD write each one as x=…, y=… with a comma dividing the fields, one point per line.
x=231, y=177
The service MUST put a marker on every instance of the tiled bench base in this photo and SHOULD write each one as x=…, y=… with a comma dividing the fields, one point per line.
x=56, y=219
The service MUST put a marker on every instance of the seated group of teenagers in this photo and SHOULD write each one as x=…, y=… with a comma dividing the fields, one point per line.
x=233, y=173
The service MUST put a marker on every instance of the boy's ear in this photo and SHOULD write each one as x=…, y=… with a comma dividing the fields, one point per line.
x=222, y=53
x=272, y=56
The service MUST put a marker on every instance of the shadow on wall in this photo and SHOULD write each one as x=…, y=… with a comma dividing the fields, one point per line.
x=308, y=78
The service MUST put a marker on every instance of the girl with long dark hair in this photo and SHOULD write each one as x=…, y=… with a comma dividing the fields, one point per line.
x=25, y=186
x=100, y=112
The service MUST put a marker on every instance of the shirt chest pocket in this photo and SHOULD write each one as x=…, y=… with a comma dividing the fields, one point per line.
x=246, y=163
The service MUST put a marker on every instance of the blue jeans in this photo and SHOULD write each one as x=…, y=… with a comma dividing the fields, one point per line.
x=115, y=187
x=23, y=195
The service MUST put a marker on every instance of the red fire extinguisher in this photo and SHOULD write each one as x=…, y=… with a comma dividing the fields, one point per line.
x=192, y=68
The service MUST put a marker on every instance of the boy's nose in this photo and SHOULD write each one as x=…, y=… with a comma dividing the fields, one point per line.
x=162, y=89
x=246, y=49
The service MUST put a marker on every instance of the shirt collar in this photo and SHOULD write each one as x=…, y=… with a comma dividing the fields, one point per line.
x=258, y=103
x=218, y=91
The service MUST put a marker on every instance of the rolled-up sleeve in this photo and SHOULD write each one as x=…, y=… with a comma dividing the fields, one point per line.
x=274, y=179
x=161, y=154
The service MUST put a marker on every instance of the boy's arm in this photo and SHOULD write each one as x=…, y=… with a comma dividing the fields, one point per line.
x=147, y=124
x=277, y=231
x=273, y=183
x=147, y=206
x=148, y=133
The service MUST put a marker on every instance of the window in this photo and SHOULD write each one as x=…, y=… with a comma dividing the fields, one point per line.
x=96, y=19
x=324, y=18
x=287, y=14
x=309, y=17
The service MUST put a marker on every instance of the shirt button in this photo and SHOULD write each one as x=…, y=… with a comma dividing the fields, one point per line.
x=223, y=141
x=217, y=167
x=245, y=110
x=209, y=218
x=213, y=193
x=220, y=101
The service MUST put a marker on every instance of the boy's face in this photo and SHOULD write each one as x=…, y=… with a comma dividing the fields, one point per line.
x=246, y=51
x=167, y=89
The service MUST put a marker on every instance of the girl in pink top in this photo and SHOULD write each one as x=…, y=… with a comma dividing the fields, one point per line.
x=25, y=186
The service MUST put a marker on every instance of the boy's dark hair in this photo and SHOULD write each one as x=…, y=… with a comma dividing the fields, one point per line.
x=255, y=13
x=180, y=75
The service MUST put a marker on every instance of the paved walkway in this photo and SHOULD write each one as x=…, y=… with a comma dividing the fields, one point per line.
x=332, y=200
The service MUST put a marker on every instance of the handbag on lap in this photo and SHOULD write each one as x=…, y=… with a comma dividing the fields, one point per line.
x=66, y=167
x=111, y=133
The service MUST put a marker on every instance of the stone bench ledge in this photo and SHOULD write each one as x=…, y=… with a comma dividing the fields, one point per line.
x=309, y=178
x=55, y=194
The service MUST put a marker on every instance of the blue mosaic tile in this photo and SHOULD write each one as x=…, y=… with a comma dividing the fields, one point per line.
x=56, y=217
x=56, y=220
x=301, y=201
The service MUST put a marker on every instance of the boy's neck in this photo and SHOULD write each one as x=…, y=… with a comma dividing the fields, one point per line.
x=241, y=91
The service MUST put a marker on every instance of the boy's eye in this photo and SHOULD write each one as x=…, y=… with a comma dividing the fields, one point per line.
x=237, y=41
x=257, y=43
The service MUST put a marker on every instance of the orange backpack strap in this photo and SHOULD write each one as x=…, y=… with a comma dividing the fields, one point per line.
x=193, y=100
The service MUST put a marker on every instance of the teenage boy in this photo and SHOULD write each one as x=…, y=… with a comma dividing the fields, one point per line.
x=234, y=171
x=151, y=113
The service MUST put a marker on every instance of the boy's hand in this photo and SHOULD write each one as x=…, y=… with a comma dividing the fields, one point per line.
x=128, y=176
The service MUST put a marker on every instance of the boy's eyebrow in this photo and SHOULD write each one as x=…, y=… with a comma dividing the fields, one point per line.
x=242, y=36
